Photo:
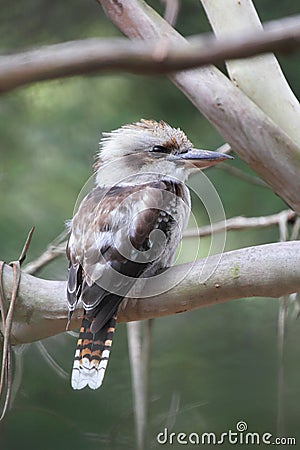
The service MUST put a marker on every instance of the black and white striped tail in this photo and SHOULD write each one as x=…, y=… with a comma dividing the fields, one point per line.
x=92, y=353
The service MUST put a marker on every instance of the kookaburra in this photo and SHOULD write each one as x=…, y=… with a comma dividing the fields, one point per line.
x=127, y=227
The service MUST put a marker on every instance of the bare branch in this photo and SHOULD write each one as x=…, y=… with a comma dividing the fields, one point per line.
x=94, y=55
x=250, y=132
x=171, y=11
x=7, y=320
x=224, y=148
x=55, y=249
x=41, y=309
x=242, y=175
x=139, y=346
x=240, y=223
x=45, y=258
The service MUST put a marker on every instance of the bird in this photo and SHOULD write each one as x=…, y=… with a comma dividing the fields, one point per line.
x=126, y=228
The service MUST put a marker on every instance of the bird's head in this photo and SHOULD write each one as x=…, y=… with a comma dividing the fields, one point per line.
x=150, y=147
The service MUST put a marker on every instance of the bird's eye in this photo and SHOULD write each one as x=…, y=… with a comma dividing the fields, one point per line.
x=159, y=149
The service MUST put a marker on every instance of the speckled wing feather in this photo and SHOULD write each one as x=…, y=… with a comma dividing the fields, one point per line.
x=109, y=237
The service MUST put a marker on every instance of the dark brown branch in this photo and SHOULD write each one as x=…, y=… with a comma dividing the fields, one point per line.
x=95, y=55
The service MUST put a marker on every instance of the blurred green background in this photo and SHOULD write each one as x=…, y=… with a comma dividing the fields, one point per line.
x=215, y=366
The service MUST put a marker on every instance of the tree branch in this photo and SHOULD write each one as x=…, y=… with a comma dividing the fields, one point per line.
x=253, y=75
x=242, y=175
x=94, y=55
x=270, y=270
x=240, y=223
x=250, y=132
x=57, y=248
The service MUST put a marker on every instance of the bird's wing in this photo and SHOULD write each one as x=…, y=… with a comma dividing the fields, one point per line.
x=110, y=243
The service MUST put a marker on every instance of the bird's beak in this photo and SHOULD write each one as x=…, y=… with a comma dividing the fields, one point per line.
x=201, y=158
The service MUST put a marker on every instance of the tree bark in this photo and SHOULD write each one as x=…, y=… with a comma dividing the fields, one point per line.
x=270, y=270
x=253, y=76
x=97, y=55
x=258, y=140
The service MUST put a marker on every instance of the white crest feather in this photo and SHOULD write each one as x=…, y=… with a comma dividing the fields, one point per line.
x=140, y=136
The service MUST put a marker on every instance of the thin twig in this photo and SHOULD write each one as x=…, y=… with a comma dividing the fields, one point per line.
x=6, y=369
x=295, y=229
x=3, y=320
x=18, y=357
x=7, y=320
x=2, y=297
x=55, y=249
x=51, y=361
x=282, y=314
x=224, y=148
x=240, y=223
x=26, y=246
x=242, y=175
x=45, y=258
x=173, y=411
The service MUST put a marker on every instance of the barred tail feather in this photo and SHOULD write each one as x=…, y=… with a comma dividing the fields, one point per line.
x=91, y=355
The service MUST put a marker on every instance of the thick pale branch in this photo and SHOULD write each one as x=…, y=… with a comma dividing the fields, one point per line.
x=269, y=270
x=253, y=75
x=259, y=141
x=94, y=55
